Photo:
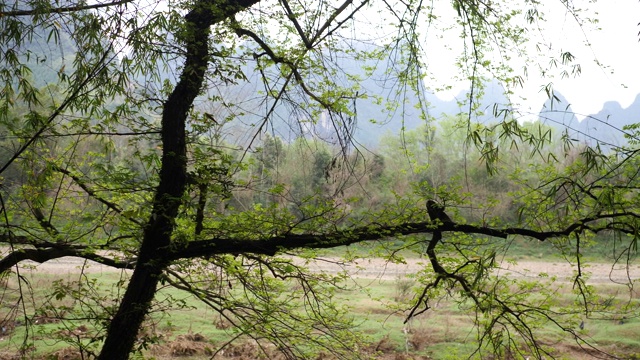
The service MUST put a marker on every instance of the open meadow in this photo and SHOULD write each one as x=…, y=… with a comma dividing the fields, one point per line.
x=375, y=291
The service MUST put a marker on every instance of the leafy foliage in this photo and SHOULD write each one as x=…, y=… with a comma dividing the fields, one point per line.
x=133, y=136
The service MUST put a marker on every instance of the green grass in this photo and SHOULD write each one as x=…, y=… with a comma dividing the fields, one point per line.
x=444, y=332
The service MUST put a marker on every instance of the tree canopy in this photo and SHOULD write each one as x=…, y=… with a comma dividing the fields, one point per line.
x=156, y=137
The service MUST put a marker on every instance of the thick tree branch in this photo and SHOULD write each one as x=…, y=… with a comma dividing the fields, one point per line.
x=273, y=245
x=44, y=255
x=102, y=133
x=277, y=244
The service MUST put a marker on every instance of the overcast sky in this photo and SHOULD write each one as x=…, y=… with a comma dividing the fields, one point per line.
x=616, y=46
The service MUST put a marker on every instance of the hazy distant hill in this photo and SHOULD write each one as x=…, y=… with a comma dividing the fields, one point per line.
x=437, y=108
x=607, y=124
x=604, y=126
x=372, y=120
x=557, y=112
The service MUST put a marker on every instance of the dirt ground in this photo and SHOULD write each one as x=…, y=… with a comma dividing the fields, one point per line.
x=379, y=268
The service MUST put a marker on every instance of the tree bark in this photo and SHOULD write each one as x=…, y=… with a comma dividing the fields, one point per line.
x=153, y=256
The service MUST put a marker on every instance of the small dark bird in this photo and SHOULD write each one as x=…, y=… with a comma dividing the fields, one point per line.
x=210, y=117
x=436, y=212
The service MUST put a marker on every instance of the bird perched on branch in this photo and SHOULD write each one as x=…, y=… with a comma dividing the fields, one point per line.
x=436, y=212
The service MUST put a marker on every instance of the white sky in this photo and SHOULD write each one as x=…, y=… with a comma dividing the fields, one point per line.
x=616, y=46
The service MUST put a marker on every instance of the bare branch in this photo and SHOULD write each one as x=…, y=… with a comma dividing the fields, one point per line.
x=281, y=60
x=43, y=221
x=318, y=37
x=293, y=19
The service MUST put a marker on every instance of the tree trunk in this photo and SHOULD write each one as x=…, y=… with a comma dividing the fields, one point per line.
x=136, y=302
x=155, y=247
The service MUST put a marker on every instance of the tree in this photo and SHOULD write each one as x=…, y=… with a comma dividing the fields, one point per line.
x=157, y=217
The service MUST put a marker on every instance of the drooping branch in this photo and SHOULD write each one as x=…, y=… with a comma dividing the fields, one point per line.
x=75, y=92
x=203, y=190
x=281, y=60
x=437, y=215
x=64, y=9
x=93, y=194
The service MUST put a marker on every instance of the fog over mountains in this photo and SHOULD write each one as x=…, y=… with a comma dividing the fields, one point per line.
x=373, y=120
x=605, y=126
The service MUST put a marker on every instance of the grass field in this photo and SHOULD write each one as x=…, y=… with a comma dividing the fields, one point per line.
x=191, y=331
